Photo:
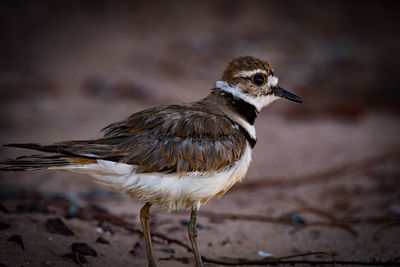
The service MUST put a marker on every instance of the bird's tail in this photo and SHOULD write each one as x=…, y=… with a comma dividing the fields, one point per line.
x=39, y=162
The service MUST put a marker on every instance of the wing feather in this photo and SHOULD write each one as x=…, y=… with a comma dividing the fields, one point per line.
x=164, y=139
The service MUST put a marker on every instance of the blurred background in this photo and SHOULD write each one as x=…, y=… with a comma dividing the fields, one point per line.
x=69, y=68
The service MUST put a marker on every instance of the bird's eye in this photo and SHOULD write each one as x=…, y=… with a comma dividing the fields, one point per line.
x=259, y=79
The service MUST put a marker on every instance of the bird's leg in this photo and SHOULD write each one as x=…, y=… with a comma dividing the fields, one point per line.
x=192, y=231
x=144, y=220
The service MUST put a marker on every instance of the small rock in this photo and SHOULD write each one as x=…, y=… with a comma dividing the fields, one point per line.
x=294, y=219
x=17, y=239
x=139, y=250
x=76, y=257
x=105, y=227
x=186, y=223
x=225, y=242
x=102, y=240
x=57, y=226
x=264, y=254
x=83, y=249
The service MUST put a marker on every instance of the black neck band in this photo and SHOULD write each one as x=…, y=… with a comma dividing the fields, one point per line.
x=245, y=110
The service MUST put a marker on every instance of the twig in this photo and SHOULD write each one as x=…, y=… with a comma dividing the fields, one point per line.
x=334, y=221
x=375, y=236
x=307, y=207
x=304, y=206
x=130, y=227
x=277, y=220
x=344, y=227
x=267, y=261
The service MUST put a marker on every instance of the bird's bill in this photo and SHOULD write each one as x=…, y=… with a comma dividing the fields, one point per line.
x=278, y=91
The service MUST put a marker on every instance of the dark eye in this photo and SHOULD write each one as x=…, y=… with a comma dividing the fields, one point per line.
x=258, y=79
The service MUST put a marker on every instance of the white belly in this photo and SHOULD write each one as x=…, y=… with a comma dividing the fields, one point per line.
x=168, y=190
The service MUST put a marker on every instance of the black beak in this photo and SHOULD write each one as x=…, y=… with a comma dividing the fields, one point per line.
x=278, y=91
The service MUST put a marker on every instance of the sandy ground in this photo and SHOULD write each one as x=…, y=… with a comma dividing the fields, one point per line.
x=325, y=175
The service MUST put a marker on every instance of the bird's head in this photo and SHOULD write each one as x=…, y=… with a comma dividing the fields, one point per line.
x=253, y=80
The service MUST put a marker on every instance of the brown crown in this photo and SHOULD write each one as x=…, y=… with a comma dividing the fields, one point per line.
x=245, y=63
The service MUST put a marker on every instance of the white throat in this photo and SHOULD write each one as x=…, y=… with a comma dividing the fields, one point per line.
x=257, y=101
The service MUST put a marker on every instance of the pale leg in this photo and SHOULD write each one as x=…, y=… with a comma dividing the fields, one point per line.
x=192, y=231
x=144, y=220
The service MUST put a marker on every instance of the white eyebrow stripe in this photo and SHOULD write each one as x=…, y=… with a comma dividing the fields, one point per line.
x=249, y=73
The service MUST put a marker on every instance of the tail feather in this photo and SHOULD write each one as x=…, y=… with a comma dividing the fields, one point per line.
x=54, y=148
x=64, y=154
x=102, y=148
x=35, y=162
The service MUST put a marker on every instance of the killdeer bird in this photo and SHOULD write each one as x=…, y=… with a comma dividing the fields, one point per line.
x=178, y=156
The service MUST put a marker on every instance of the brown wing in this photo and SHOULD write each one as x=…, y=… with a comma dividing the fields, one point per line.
x=164, y=139
x=177, y=139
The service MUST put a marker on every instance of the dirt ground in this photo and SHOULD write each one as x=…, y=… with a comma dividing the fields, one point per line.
x=325, y=175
